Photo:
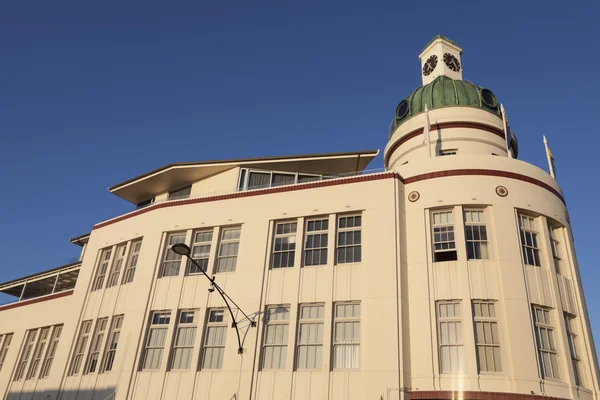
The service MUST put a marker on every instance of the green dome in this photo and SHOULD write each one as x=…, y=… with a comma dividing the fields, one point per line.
x=445, y=92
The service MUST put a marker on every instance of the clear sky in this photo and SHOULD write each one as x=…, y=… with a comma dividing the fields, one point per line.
x=94, y=93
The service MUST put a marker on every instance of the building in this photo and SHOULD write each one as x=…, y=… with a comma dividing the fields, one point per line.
x=449, y=274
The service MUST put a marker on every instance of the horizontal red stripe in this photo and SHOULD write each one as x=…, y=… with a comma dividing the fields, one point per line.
x=36, y=300
x=472, y=395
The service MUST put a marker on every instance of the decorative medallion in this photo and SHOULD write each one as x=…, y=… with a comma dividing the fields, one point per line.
x=501, y=191
x=402, y=109
x=488, y=98
x=452, y=62
x=413, y=196
x=430, y=65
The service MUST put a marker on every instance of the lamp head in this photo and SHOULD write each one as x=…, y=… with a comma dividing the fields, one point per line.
x=181, y=249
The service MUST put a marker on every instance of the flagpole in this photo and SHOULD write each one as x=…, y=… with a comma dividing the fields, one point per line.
x=550, y=158
x=426, y=132
x=506, y=130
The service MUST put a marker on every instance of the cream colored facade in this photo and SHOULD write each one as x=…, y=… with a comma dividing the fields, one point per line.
x=401, y=320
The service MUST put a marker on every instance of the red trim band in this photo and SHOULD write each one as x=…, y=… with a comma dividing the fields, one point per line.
x=472, y=395
x=282, y=189
x=36, y=300
x=445, y=125
x=484, y=172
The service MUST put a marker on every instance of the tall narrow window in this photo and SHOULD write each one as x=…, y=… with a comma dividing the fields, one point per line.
x=476, y=235
x=40, y=347
x=544, y=334
x=450, y=336
x=113, y=341
x=276, y=337
x=80, y=346
x=556, y=248
x=49, y=357
x=310, y=336
x=214, y=339
x=349, y=239
x=157, y=337
x=6, y=339
x=172, y=260
x=96, y=345
x=102, y=268
x=200, y=251
x=117, y=265
x=134, y=254
x=183, y=346
x=444, y=245
x=284, y=245
x=228, y=249
x=179, y=194
x=346, y=336
x=529, y=243
x=315, y=244
x=26, y=354
x=574, y=348
x=487, y=337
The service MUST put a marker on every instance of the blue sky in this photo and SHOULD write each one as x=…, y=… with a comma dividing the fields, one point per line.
x=93, y=93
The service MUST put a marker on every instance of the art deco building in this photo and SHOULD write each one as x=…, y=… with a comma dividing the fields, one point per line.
x=449, y=274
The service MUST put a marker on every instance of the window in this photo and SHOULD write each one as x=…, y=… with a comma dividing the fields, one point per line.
x=228, y=249
x=315, y=245
x=96, y=345
x=253, y=179
x=6, y=339
x=39, y=352
x=113, y=341
x=476, y=235
x=157, y=337
x=183, y=345
x=529, y=244
x=179, y=194
x=214, y=339
x=26, y=354
x=346, y=336
x=51, y=351
x=145, y=203
x=449, y=152
x=556, y=248
x=349, y=239
x=450, y=336
x=113, y=277
x=276, y=337
x=280, y=179
x=102, y=268
x=200, y=251
x=284, y=246
x=134, y=254
x=310, y=336
x=544, y=334
x=444, y=246
x=487, y=336
x=172, y=260
x=84, y=335
x=574, y=348
x=258, y=180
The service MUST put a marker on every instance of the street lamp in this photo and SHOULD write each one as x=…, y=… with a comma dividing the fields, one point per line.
x=184, y=250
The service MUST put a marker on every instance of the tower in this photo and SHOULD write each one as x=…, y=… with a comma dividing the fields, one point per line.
x=440, y=57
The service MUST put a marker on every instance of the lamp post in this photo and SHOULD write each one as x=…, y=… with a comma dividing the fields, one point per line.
x=184, y=250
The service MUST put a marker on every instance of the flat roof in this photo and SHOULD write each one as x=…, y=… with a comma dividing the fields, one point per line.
x=81, y=239
x=4, y=285
x=178, y=174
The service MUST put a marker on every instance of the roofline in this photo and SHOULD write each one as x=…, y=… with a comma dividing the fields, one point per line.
x=241, y=160
x=23, y=278
x=78, y=239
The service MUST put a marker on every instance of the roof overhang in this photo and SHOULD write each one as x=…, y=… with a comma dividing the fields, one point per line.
x=180, y=174
x=81, y=239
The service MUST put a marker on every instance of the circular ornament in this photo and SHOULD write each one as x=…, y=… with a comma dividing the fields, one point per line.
x=488, y=98
x=402, y=109
x=501, y=191
x=413, y=196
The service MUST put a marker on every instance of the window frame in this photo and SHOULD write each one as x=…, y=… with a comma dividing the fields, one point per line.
x=78, y=355
x=95, y=351
x=534, y=234
x=290, y=250
x=545, y=326
x=489, y=319
x=102, y=268
x=354, y=342
x=221, y=242
x=180, y=348
x=180, y=189
x=283, y=346
x=132, y=260
x=110, y=353
x=447, y=152
x=316, y=344
x=167, y=252
x=482, y=223
x=323, y=249
x=244, y=177
x=459, y=345
x=576, y=361
x=346, y=230
x=164, y=315
x=5, y=347
x=194, y=244
x=210, y=348
x=119, y=258
x=556, y=247
x=443, y=231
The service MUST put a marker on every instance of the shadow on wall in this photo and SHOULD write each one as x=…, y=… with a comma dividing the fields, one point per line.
x=51, y=394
